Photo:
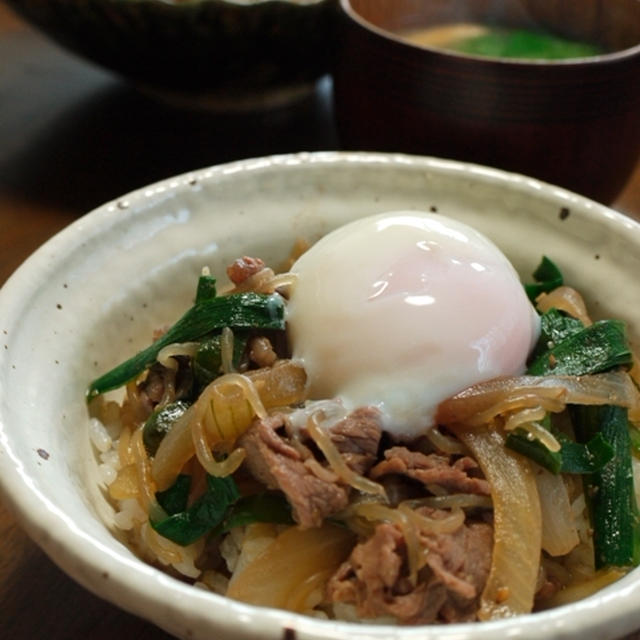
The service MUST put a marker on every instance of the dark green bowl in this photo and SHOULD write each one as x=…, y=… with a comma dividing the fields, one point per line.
x=229, y=51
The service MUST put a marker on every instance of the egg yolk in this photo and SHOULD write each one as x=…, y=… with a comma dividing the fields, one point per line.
x=404, y=309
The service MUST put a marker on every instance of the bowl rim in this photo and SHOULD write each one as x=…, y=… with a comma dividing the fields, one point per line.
x=621, y=55
x=86, y=559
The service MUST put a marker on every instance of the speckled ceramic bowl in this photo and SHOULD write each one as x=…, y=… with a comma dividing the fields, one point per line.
x=211, y=53
x=90, y=295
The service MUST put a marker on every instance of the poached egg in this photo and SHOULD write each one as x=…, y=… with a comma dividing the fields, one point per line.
x=404, y=309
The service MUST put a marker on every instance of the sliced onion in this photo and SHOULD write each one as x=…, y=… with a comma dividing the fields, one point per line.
x=146, y=485
x=310, y=593
x=181, y=558
x=515, y=562
x=444, y=443
x=559, y=532
x=535, y=431
x=526, y=419
x=219, y=469
x=524, y=416
x=284, y=280
x=134, y=410
x=480, y=403
x=565, y=299
x=166, y=551
x=226, y=350
x=126, y=483
x=296, y=560
x=125, y=451
x=175, y=450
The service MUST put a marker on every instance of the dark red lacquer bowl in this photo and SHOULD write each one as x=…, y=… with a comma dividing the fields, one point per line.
x=574, y=123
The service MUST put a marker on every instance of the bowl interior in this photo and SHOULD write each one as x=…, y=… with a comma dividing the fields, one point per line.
x=94, y=293
x=612, y=25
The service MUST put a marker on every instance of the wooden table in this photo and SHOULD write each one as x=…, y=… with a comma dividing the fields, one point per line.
x=72, y=137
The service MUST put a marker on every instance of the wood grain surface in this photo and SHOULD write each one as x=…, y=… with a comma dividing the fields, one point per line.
x=72, y=137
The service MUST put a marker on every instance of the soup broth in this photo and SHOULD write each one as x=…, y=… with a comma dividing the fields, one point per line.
x=499, y=42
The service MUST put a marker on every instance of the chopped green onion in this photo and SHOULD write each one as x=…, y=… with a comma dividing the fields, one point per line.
x=589, y=457
x=174, y=499
x=160, y=422
x=599, y=347
x=573, y=457
x=556, y=326
x=206, y=288
x=603, y=448
x=535, y=450
x=270, y=506
x=240, y=310
x=208, y=511
x=547, y=277
x=207, y=362
x=610, y=492
x=218, y=511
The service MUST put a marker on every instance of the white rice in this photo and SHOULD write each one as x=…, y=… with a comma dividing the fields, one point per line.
x=100, y=438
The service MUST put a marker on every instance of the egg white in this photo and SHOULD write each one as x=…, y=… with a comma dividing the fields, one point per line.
x=402, y=310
